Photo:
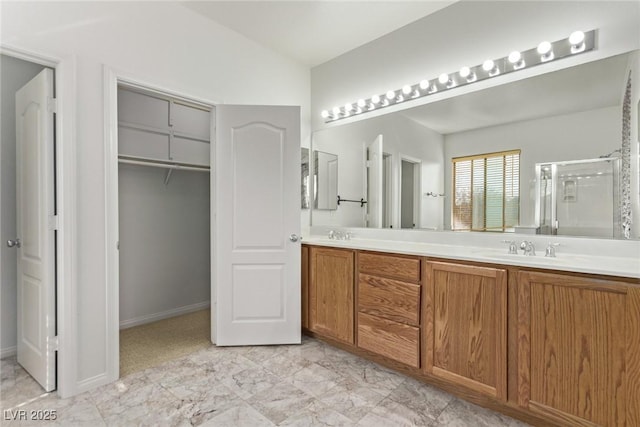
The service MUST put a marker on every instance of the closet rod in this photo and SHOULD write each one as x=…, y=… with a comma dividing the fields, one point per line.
x=164, y=165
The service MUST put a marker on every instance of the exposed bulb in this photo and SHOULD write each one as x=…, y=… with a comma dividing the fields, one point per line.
x=545, y=51
x=391, y=94
x=515, y=58
x=375, y=99
x=361, y=103
x=490, y=67
x=406, y=89
x=324, y=114
x=336, y=111
x=466, y=73
x=576, y=39
x=348, y=107
x=424, y=84
x=443, y=78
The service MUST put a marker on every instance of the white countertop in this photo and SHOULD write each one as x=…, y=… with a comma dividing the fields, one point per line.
x=581, y=263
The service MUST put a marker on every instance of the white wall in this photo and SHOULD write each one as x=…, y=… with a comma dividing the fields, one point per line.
x=401, y=136
x=165, y=45
x=14, y=74
x=467, y=33
x=584, y=135
x=164, y=242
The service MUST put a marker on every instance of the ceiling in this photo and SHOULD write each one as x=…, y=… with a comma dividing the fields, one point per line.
x=581, y=88
x=313, y=32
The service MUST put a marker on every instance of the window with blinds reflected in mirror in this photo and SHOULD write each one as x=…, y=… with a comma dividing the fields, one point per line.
x=486, y=190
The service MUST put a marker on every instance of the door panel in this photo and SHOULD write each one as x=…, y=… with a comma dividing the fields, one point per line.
x=257, y=269
x=375, y=183
x=35, y=209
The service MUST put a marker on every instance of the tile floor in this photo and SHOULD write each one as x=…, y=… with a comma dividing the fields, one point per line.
x=312, y=384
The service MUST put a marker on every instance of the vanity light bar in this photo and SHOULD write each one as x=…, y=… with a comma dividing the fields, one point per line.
x=578, y=42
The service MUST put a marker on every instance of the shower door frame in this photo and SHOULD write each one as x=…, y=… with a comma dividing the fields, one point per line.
x=554, y=191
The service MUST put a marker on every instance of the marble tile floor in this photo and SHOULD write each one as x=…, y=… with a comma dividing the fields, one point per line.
x=312, y=384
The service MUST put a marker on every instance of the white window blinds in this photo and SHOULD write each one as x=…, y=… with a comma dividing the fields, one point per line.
x=486, y=192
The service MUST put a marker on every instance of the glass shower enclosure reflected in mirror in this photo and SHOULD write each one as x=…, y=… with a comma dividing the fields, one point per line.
x=325, y=180
x=579, y=198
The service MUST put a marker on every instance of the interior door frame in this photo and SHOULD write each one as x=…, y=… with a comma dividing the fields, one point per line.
x=113, y=78
x=65, y=190
x=417, y=179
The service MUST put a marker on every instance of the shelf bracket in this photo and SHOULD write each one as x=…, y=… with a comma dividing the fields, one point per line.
x=168, y=176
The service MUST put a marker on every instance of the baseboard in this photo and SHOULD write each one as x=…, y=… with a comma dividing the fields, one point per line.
x=124, y=324
x=92, y=382
x=8, y=352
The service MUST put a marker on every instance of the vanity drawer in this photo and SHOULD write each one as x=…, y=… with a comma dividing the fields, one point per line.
x=390, y=266
x=391, y=339
x=388, y=298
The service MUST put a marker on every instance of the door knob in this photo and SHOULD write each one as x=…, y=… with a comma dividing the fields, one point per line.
x=12, y=243
x=293, y=237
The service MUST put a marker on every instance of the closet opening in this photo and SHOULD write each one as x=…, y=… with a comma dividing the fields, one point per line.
x=164, y=219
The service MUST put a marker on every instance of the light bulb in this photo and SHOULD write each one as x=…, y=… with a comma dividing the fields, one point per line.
x=361, y=103
x=544, y=49
x=465, y=72
x=424, y=84
x=576, y=39
x=515, y=58
x=391, y=94
x=336, y=111
x=443, y=78
x=406, y=89
x=324, y=114
x=348, y=107
x=375, y=99
x=488, y=65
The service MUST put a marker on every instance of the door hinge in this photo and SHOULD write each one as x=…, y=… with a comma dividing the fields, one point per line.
x=52, y=105
x=53, y=343
x=53, y=222
x=368, y=163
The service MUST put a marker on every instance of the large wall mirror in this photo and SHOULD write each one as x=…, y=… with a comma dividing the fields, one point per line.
x=483, y=161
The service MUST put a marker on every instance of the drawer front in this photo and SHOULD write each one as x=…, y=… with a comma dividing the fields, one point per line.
x=407, y=269
x=391, y=339
x=388, y=298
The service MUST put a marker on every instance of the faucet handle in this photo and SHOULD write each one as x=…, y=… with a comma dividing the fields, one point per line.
x=551, y=250
x=513, y=249
x=332, y=234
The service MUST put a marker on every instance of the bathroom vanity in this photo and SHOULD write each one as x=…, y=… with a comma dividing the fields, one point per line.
x=548, y=341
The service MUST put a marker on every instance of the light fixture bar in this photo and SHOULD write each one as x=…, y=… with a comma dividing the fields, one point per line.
x=577, y=43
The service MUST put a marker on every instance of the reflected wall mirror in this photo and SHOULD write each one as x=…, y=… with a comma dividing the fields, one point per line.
x=406, y=160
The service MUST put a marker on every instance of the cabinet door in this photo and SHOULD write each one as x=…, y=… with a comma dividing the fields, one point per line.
x=578, y=349
x=465, y=315
x=331, y=293
x=304, y=281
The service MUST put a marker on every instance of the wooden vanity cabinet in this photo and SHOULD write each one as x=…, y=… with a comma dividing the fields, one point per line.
x=388, y=304
x=465, y=326
x=304, y=291
x=331, y=293
x=578, y=349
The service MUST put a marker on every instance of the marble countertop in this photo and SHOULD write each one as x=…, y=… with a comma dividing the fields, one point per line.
x=593, y=264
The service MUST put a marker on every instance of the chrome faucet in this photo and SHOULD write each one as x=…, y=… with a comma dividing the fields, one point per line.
x=528, y=248
x=551, y=250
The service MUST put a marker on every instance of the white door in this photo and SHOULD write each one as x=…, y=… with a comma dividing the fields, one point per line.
x=257, y=248
x=35, y=220
x=375, y=183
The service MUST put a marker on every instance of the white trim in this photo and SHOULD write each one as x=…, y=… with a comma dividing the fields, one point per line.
x=417, y=194
x=113, y=78
x=65, y=83
x=8, y=352
x=141, y=320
